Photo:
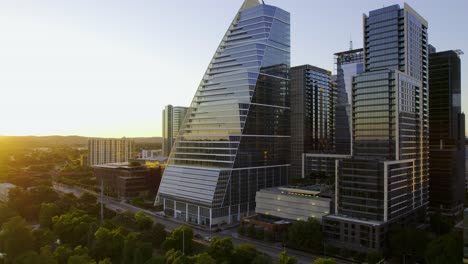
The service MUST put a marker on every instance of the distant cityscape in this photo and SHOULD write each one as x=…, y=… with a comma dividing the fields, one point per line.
x=364, y=163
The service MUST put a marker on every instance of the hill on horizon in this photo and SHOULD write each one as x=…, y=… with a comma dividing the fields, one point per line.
x=55, y=141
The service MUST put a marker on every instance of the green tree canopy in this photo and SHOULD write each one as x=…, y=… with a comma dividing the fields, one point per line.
x=285, y=259
x=444, y=249
x=47, y=211
x=75, y=227
x=324, y=261
x=175, y=240
x=156, y=235
x=305, y=235
x=108, y=244
x=261, y=259
x=407, y=241
x=143, y=221
x=244, y=253
x=221, y=249
x=15, y=238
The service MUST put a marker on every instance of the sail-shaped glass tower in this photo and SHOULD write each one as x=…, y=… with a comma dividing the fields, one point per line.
x=235, y=137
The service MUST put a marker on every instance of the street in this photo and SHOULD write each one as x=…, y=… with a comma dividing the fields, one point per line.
x=265, y=247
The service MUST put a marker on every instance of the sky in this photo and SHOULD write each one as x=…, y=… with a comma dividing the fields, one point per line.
x=107, y=68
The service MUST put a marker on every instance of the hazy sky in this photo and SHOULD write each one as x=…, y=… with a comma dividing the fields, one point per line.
x=107, y=68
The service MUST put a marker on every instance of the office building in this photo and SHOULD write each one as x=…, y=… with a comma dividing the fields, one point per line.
x=386, y=179
x=312, y=113
x=123, y=180
x=348, y=64
x=235, y=139
x=109, y=150
x=173, y=118
x=447, y=135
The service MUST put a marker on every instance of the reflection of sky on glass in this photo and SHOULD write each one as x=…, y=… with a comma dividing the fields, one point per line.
x=107, y=68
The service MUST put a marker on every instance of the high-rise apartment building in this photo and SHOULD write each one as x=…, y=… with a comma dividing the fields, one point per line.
x=447, y=134
x=313, y=98
x=235, y=138
x=386, y=179
x=173, y=118
x=109, y=150
x=348, y=64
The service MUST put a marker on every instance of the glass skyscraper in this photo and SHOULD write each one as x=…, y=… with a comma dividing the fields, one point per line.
x=235, y=138
x=349, y=64
x=386, y=179
x=447, y=134
x=313, y=99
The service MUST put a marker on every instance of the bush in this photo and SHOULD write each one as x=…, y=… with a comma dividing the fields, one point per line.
x=260, y=234
x=241, y=230
x=251, y=231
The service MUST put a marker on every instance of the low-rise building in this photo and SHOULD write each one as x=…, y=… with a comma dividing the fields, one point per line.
x=125, y=180
x=293, y=203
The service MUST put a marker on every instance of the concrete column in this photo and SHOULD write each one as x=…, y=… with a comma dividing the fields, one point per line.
x=198, y=215
x=186, y=212
x=229, y=214
x=211, y=214
x=175, y=208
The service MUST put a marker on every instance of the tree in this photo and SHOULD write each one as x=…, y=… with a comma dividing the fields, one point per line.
x=444, y=249
x=324, y=261
x=440, y=224
x=65, y=254
x=241, y=230
x=261, y=259
x=80, y=259
x=305, y=235
x=108, y=243
x=6, y=213
x=251, y=231
x=221, y=249
x=373, y=257
x=143, y=221
x=47, y=211
x=135, y=249
x=244, y=253
x=156, y=235
x=204, y=258
x=16, y=238
x=175, y=240
x=156, y=260
x=32, y=257
x=43, y=237
x=173, y=256
x=285, y=259
x=75, y=227
x=105, y=261
x=407, y=241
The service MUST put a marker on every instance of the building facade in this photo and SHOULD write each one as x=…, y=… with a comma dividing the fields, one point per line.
x=348, y=64
x=124, y=181
x=173, y=118
x=447, y=134
x=313, y=99
x=293, y=203
x=109, y=150
x=235, y=139
x=386, y=179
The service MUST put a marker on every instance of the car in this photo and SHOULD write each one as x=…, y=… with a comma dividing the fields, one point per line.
x=198, y=236
x=207, y=239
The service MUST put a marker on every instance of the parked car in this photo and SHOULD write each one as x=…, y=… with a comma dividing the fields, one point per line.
x=198, y=236
x=207, y=239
